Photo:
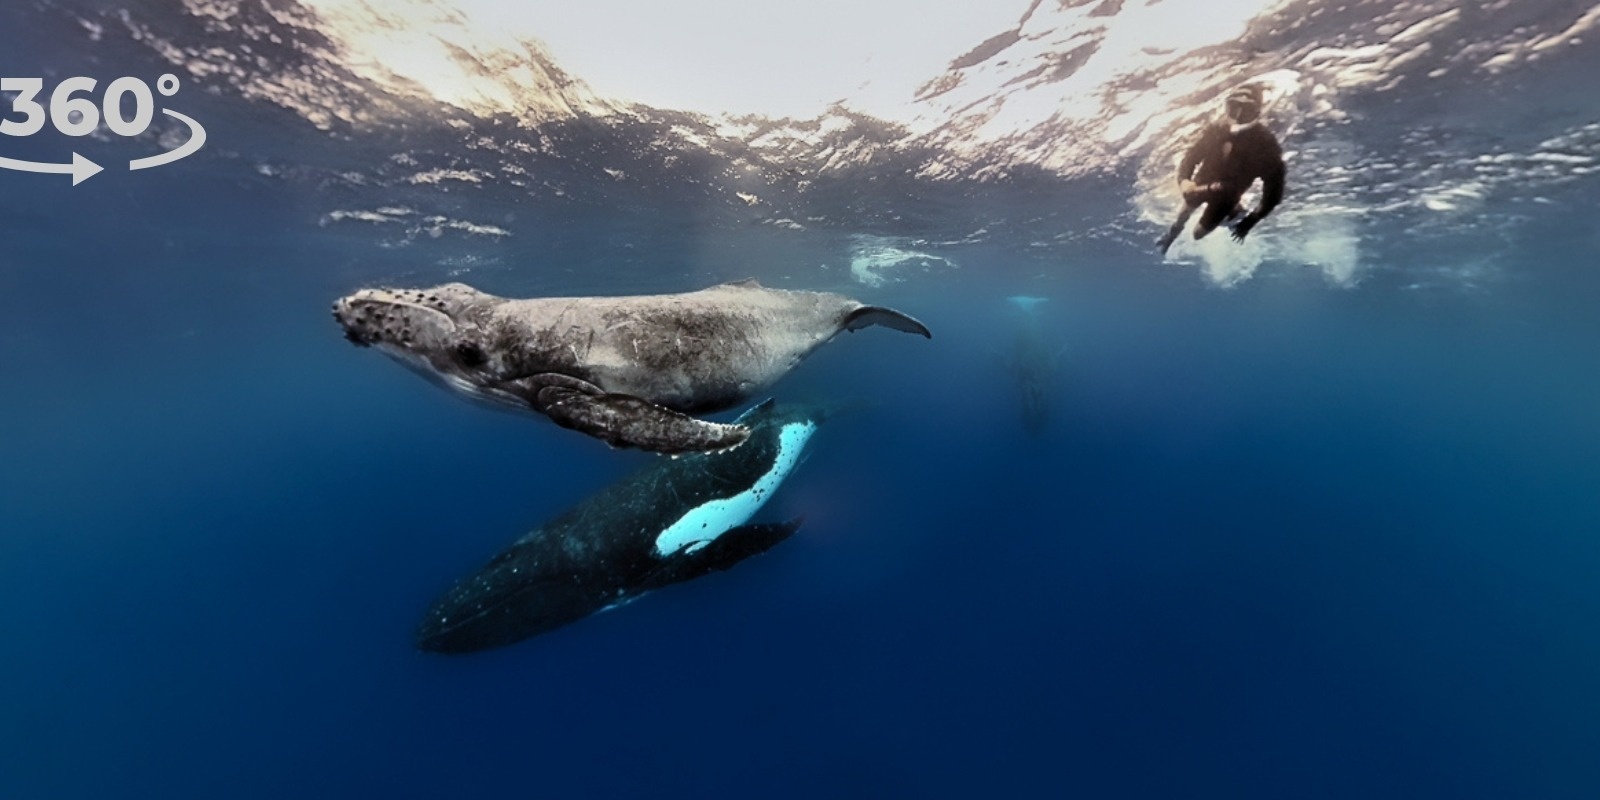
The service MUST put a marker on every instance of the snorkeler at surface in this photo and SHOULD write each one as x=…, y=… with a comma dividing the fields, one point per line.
x=1219, y=168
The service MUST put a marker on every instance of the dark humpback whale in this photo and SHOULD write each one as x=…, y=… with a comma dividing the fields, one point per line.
x=628, y=370
x=672, y=521
x=1034, y=363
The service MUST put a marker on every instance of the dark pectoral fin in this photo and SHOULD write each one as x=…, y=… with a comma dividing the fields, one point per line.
x=529, y=388
x=723, y=552
x=867, y=316
x=748, y=540
x=625, y=421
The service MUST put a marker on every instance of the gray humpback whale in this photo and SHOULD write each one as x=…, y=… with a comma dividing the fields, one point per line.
x=628, y=370
x=672, y=521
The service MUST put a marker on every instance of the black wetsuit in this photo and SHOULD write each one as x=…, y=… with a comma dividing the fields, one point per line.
x=1234, y=160
x=1223, y=164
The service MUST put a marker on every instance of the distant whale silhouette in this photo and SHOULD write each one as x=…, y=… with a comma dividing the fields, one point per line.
x=1034, y=362
x=627, y=370
x=675, y=520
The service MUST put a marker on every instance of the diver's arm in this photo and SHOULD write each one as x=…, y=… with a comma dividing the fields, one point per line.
x=1271, y=189
x=1272, y=180
x=1191, y=161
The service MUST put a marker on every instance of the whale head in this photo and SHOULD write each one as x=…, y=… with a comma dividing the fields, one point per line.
x=441, y=332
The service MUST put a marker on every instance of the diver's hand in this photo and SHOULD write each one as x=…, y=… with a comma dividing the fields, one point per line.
x=1242, y=228
x=1197, y=193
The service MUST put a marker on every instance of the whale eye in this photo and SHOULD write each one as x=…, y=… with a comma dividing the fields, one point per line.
x=470, y=355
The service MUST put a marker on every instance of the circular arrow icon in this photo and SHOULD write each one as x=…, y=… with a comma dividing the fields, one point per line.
x=81, y=169
x=197, y=139
x=80, y=116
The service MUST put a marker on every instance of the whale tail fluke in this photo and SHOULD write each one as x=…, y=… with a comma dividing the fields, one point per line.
x=1026, y=302
x=867, y=316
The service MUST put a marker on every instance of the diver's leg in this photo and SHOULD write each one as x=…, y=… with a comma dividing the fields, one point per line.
x=1177, y=228
x=1217, y=211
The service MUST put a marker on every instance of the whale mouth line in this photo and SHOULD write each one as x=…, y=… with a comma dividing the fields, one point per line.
x=359, y=339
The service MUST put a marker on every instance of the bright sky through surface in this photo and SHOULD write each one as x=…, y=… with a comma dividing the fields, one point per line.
x=776, y=59
x=788, y=58
x=740, y=56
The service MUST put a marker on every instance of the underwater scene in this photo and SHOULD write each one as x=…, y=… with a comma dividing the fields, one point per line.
x=1017, y=398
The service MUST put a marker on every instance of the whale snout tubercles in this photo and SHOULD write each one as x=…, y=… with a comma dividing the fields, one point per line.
x=356, y=332
x=361, y=321
x=383, y=316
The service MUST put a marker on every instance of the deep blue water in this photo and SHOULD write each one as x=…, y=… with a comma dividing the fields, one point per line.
x=1286, y=539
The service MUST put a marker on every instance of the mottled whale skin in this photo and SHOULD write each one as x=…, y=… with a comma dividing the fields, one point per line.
x=675, y=520
x=627, y=370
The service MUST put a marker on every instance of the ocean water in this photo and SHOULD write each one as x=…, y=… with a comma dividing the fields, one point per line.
x=1321, y=524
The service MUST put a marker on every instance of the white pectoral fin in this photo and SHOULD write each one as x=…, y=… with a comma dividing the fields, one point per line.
x=706, y=523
